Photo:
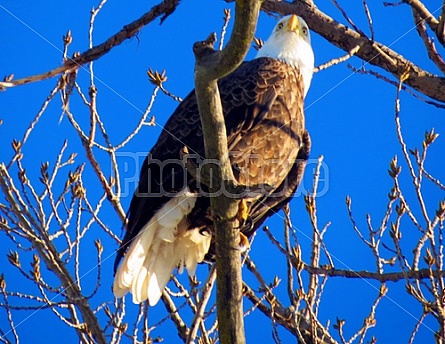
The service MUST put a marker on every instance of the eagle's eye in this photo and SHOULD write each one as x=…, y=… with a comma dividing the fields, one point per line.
x=280, y=26
x=304, y=30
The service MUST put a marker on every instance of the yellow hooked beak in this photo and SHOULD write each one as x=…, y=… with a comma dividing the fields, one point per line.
x=294, y=24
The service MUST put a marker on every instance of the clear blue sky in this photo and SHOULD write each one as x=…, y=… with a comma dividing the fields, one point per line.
x=350, y=118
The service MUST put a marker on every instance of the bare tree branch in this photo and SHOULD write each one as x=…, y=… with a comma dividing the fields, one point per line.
x=374, y=53
x=211, y=65
x=163, y=10
x=338, y=60
x=426, y=15
x=430, y=47
x=384, y=277
x=49, y=254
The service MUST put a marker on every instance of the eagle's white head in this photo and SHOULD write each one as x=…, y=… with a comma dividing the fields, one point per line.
x=290, y=41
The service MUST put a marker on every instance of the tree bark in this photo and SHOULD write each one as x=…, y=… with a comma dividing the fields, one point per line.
x=210, y=66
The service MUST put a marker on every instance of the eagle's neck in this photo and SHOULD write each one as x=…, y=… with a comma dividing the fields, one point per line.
x=294, y=51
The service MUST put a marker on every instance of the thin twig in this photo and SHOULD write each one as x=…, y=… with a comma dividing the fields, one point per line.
x=430, y=47
x=183, y=329
x=199, y=314
x=163, y=10
x=33, y=123
x=348, y=19
x=394, y=83
x=338, y=60
x=224, y=28
x=368, y=16
x=8, y=311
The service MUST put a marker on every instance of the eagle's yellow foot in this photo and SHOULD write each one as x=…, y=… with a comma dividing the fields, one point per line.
x=244, y=244
x=243, y=212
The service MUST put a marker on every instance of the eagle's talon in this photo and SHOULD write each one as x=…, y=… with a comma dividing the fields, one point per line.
x=248, y=224
x=244, y=244
x=243, y=212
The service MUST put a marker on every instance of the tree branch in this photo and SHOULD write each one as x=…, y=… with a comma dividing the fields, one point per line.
x=198, y=319
x=430, y=47
x=374, y=53
x=211, y=65
x=426, y=15
x=381, y=277
x=290, y=319
x=50, y=256
x=163, y=9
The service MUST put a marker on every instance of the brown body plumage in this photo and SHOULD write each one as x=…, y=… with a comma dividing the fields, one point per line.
x=169, y=220
x=263, y=108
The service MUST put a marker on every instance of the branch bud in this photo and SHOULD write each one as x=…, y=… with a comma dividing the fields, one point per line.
x=8, y=78
x=13, y=258
x=44, y=172
x=2, y=282
x=414, y=152
x=108, y=312
x=156, y=78
x=123, y=328
x=339, y=324
x=393, y=194
x=16, y=145
x=73, y=177
x=429, y=259
x=430, y=137
x=441, y=211
x=71, y=158
x=394, y=232
x=427, y=307
x=392, y=261
x=99, y=246
x=78, y=191
x=67, y=39
x=383, y=290
x=400, y=209
x=394, y=169
x=370, y=321
x=3, y=222
x=297, y=254
x=22, y=177
x=409, y=289
x=300, y=294
x=35, y=264
x=309, y=200
x=226, y=14
x=275, y=283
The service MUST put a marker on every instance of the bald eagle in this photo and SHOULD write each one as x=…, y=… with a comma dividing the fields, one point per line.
x=169, y=221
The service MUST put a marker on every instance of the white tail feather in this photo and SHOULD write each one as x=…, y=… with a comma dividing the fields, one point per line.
x=164, y=243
